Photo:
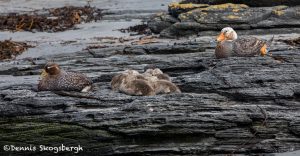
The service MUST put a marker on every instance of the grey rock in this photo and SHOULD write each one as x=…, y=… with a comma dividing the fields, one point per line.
x=240, y=17
x=159, y=22
x=225, y=103
x=254, y=3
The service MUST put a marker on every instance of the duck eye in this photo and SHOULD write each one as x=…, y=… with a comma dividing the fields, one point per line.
x=50, y=67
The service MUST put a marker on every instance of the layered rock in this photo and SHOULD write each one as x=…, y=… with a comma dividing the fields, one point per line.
x=215, y=17
x=254, y=3
x=228, y=106
x=233, y=105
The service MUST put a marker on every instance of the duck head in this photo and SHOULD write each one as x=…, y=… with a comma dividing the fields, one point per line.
x=131, y=72
x=52, y=68
x=227, y=34
x=154, y=71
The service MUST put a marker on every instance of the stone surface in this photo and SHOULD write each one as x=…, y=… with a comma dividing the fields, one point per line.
x=216, y=17
x=161, y=21
x=228, y=106
x=254, y=3
x=234, y=105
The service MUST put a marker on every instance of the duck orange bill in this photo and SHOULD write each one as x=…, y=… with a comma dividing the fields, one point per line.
x=43, y=74
x=263, y=50
x=221, y=37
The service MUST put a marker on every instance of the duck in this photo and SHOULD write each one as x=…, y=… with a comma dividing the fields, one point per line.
x=160, y=82
x=157, y=73
x=149, y=83
x=131, y=82
x=230, y=45
x=53, y=78
x=165, y=87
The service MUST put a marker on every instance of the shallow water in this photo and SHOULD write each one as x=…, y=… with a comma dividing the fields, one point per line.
x=53, y=43
x=29, y=5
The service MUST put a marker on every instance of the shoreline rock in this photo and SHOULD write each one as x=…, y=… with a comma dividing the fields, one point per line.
x=252, y=3
x=225, y=103
x=237, y=105
x=216, y=17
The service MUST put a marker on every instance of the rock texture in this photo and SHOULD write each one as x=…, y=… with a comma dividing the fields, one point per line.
x=227, y=106
x=192, y=19
x=234, y=105
x=254, y=3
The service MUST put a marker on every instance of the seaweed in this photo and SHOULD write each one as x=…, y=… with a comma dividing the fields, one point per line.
x=140, y=29
x=10, y=49
x=292, y=42
x=51, y=20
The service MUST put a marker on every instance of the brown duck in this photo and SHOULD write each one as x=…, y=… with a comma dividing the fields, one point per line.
x=230, y=45
x=160, y=82
x=157, y=73
x=131, y=82
x=56, y=79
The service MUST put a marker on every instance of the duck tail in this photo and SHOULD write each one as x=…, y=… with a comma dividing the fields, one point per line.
x=269, y=42
x=268, y=45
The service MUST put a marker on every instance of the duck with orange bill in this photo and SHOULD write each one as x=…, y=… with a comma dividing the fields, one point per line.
x=229, y=45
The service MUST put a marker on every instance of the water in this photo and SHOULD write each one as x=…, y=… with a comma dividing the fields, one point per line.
x=52, y=43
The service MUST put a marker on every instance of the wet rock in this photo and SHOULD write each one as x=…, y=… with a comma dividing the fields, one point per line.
x=163, y=49
x=139, y=29
x=226, y=13
x=253, y=3
x=294, y=127
x=238, y=16
x=232, y=105
x=181, y=30
x=228, y=106
x=176, y=8
x=293, y=42
x=160, y=22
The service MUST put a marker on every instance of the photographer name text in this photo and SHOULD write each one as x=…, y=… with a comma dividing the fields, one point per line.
x=43, y=148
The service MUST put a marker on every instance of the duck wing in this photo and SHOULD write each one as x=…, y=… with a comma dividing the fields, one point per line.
x=71, y=81
x=247, y=46
x=224, y=49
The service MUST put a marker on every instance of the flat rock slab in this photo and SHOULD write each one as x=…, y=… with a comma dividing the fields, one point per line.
x=254, y=3
x=216, y=17
x=233, y=105
x=228, y=106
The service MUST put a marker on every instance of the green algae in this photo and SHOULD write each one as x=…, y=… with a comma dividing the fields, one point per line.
x=25, y=132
